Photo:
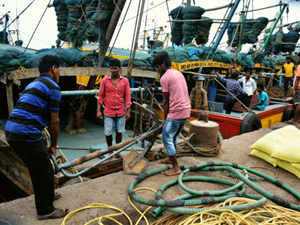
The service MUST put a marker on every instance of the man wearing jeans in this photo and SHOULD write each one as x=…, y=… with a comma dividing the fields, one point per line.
x=114, y=95
x=176, y=104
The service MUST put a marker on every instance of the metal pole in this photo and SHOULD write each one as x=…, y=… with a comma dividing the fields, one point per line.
x=224, y=28
x=5, y=28
x=241, y=31
x=131, y=60
x=274, y=26
x=188, y=3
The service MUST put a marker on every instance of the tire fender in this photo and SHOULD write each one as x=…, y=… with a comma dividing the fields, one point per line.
x=288, y=114
x=250, y=123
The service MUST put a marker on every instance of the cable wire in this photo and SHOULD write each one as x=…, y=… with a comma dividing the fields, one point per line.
x=37, y=26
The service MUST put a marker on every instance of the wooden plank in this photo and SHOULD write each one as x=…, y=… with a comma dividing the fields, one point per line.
x=9, y=96
x=80, y=71
x=12, y=167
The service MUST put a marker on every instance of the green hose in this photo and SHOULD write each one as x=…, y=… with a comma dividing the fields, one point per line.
x=207, y=193
x=164, y=187
x=177, y=204
x=276, y=199
x=236, y=208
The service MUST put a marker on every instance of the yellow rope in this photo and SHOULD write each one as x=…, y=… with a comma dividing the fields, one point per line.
x=269, y=214
x=111, y=216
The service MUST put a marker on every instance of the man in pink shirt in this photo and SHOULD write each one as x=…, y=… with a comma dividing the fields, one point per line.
x=114, y=95
x=176, y=104
x=296, y=93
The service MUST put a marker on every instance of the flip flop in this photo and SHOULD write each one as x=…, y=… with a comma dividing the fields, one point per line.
x=168, y=173
x=57, y=196
x=57, y=213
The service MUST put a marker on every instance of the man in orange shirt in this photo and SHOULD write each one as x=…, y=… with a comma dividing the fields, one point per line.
x=296, y=93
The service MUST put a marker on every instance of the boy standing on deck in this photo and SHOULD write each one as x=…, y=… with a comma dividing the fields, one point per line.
x=176, y=104
x=114, y=96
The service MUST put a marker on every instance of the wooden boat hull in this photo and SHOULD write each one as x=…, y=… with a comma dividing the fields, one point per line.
x=231, y=125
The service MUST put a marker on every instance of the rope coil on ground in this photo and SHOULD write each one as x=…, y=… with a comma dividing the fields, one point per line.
x=112, y=216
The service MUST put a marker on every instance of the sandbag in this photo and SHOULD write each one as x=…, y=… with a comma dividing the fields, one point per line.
x=264, y=156
x=192, y=12
x=289, y=167
x=80, y=20
x=251, y=30
x=281, y=144
x=176, y=27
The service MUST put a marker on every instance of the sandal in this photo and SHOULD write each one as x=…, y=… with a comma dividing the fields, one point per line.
x=171, y=172
x=57, y=196
x=57, y=213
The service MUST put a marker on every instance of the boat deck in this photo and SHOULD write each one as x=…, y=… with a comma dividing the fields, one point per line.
x=94, y=139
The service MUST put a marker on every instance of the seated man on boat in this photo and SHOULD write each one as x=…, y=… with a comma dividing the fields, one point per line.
x=114, y=97
x=37, y=107
x=234, y=91
x=249, y=86
x=176, y=104
x=198, y=95
x=262, y=98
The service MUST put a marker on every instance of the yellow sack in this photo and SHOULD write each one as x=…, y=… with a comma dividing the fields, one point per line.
x=281, y=144
x=264, y=156
x=296, y=165
x=289, y=167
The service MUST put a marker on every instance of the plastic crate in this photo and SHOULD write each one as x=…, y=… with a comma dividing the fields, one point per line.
x=216, y=106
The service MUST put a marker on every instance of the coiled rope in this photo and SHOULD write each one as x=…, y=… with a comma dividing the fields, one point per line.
x=111, y=217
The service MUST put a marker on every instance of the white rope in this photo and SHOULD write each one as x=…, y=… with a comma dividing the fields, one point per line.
x=272, y=6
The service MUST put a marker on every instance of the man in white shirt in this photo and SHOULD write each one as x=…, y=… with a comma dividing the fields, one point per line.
x=249, y=86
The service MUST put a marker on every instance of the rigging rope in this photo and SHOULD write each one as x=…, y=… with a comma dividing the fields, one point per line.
x=37, y=26
x=131, y=18
x=134, y=33
x=120, y=28
x=236, y=98
x=17, y=17
x=253, y=10
x=215, y=36
x=245, y=8
x=221, y=7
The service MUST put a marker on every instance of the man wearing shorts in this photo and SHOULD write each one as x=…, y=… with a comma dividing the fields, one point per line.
x=114, y=96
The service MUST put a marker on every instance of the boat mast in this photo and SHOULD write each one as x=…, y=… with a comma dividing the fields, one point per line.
x=109, y=33
x=135, y=40
x=224, y=28
x=273, y=26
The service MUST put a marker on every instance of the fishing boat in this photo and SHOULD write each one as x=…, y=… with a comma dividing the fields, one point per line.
x=206, y=60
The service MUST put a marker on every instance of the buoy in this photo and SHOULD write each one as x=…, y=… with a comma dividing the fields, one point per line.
x=206, y=133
